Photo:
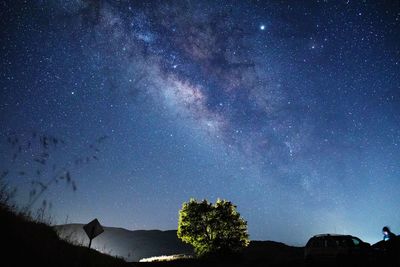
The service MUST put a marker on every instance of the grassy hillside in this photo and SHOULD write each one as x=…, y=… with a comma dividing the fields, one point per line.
x=28, y=243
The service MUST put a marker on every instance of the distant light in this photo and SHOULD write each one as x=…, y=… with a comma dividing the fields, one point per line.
x=72, y=93
x=262, y=27
x=166, y=258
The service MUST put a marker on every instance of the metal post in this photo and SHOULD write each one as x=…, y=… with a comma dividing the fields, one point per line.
x=91, y=234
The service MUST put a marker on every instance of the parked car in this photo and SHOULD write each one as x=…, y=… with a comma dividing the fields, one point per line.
x=336, y=249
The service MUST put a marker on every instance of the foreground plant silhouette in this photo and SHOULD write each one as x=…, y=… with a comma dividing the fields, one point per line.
x=212, y=229
x=45, y=160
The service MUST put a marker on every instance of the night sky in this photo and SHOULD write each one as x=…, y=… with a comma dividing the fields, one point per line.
x=289, y=109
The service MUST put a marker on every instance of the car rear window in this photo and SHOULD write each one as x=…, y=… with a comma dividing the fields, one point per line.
x=332, y=242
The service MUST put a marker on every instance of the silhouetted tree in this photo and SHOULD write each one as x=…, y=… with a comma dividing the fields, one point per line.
x=212, y=228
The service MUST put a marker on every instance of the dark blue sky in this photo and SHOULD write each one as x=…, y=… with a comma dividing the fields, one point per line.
x=290, y=109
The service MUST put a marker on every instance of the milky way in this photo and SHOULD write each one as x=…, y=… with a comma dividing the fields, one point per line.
x=290, y=109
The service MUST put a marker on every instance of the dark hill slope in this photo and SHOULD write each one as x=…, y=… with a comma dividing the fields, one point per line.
x=275, y=253
x=27, y=243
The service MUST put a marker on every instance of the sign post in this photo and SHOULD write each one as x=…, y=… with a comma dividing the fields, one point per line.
x=93, y=229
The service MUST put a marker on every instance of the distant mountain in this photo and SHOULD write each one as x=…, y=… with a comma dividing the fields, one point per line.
x=136, y=245
x=130, y=245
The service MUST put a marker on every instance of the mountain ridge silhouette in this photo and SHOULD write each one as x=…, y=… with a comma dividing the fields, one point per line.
x=131, y=245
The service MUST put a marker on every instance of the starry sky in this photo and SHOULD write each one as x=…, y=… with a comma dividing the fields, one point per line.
x=289, y=109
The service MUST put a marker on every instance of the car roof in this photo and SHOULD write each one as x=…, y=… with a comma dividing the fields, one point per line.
x=333, y=235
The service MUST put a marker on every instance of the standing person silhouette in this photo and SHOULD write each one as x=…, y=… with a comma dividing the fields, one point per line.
x=392, y=247
x=387, y=234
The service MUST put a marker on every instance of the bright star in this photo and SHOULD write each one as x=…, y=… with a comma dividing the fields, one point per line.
x=262, y=27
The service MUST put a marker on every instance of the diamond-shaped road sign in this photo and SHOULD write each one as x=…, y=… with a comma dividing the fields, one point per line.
x=93, y=229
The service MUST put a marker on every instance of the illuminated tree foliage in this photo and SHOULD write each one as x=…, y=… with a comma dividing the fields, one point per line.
x=212, y=228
